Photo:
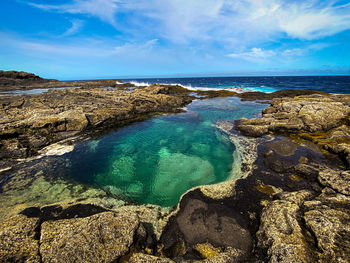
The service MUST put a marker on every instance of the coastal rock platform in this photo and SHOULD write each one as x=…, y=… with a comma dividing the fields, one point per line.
x=290, y=204
x=32, y=122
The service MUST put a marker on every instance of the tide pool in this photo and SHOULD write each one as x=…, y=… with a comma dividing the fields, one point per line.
x=157, y=160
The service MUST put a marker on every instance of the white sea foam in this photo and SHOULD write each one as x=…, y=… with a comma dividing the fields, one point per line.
x=140, y=84
x=194, y=88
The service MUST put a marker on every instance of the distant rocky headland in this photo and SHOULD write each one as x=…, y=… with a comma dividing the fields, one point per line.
x=290, y=204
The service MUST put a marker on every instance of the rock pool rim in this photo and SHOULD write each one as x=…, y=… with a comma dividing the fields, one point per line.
x=136, y=134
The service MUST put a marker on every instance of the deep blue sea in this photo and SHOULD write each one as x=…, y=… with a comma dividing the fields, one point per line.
x=330, y=84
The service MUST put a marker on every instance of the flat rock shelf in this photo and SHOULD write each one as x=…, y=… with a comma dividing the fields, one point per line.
x=78, y=185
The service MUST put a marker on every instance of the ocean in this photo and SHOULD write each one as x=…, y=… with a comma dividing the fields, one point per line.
x=330, y=84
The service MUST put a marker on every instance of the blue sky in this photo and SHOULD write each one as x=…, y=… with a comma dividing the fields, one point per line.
x=85, y=39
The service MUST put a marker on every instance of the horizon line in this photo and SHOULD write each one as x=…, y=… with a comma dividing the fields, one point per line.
x=197, y=76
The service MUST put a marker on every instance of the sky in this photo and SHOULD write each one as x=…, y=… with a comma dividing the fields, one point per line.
x=89, y=39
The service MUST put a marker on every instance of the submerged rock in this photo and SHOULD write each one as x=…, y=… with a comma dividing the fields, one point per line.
x=57, y=149
x=177, y=173
x=122, y=171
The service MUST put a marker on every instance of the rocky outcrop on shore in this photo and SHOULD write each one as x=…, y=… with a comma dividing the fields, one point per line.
x=19, y=80
x=29, y=123
x=307, y=218
x=311, y=114
x=321, y=119
x=78, y=233
x=10, y=79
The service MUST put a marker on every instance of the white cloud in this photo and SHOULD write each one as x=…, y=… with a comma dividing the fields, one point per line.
x=103, y=9
x=75, y=28
x=248, y=19
x=294, y=52
x=90, y=48
x=136, y=48
x=307, y=21
x=261, y=55
x=224, y=21
x=255, y=54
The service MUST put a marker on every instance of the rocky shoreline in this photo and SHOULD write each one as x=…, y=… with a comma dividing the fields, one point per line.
x=291, y=204
x=32, y=122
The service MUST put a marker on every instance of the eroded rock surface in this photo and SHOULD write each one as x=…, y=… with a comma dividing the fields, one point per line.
x=291, y=206
x=282, y=234
x=18, y=240
x=29, y=123
x=102, y=237
x=316, y=113
x=75, y=233
x=322, y=119
x=15, y=78
x=307, y=219
x=207, y=227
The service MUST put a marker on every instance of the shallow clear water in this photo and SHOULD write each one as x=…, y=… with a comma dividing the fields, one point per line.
x=157, y=160
x=33, y=91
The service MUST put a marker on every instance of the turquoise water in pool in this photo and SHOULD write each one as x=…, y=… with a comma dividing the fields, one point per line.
x=157, y=160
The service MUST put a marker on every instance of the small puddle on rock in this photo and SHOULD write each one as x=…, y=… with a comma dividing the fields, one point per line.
x=32, y=91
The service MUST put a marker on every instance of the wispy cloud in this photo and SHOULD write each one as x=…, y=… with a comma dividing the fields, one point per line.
x=225, y=20
x=77, y=25
x=255, y=54
x=314, y=19
x=91, y=48
x=259, y=55
x=103, y=9
x=179, y=35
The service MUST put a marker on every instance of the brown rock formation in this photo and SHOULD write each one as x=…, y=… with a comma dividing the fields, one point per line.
x=15, y=78
x=103, y=237
x=314, y=113
x=18, y=241
x=291, y=206
x=28, y=123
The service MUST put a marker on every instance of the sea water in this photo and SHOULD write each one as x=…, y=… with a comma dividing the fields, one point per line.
x=330, y=84
x=157, y=160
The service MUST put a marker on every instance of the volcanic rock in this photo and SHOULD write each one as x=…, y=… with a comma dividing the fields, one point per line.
x=102, y=237
x=29, y=123
x=18, y=240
